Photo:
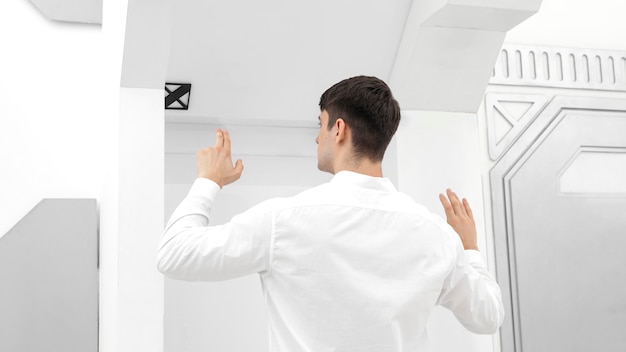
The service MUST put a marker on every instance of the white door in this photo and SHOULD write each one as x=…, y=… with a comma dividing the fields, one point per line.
x=559, y=207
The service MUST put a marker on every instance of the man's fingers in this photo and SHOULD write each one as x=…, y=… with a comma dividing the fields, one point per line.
x=239, y=166
x=226, y=141
x=468, y=210
x=446, y=205
x=219, y=138
x=459, y=216
x=454, y=201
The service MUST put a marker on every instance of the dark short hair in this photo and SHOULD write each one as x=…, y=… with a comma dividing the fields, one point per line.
x=368, y=108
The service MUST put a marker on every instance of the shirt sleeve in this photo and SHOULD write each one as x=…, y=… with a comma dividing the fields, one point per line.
x=472, y=293
x=192, y=250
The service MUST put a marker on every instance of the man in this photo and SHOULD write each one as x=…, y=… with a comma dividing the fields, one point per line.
x=350, y=265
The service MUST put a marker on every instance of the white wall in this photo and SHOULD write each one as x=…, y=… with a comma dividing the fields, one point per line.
x=597, y=24
x=54, y=130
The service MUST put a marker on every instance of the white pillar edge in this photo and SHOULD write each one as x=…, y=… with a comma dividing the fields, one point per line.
x=131, y=206
x=113, y=32
x=140, y=289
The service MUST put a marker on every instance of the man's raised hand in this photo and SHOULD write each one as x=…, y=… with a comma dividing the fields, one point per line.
x=216, y=163
x=459, y=216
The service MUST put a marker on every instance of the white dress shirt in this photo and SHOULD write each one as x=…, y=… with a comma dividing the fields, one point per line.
x=350, y=265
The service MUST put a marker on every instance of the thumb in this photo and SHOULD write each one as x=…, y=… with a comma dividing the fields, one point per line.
x=239, y=166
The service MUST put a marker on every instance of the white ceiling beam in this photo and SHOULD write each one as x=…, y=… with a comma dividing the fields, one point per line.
x=83, y=11
x=448, y=51
x=146, y=44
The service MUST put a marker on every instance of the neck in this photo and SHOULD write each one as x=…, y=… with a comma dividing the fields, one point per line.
x=363, y=166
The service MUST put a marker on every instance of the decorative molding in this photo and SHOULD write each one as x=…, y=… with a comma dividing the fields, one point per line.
x=181, y=117
x=522, y=65
x=507, y=116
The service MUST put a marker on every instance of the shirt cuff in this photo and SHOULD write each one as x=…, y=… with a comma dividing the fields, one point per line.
x=201, y=196
x=473, y=256
x=205, y=187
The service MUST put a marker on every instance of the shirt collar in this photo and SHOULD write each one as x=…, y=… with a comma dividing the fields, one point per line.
x=364, y=181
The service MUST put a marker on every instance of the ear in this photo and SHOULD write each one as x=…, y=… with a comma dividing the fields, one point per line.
x=341, y=130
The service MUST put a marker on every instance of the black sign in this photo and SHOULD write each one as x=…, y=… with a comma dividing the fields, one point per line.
x=177, y=96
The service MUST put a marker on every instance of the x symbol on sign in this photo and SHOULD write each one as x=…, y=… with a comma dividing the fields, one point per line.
x=175, y=95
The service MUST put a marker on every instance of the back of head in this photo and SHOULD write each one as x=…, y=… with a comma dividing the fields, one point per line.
x=368, y=108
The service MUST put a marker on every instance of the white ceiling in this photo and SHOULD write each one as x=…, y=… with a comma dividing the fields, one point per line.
x=272, y=59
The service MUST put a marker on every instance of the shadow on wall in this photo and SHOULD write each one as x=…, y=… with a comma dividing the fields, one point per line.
x=49, y=279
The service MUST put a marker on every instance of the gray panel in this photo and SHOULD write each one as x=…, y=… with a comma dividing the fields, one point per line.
x=559, y=256
x=49, y=279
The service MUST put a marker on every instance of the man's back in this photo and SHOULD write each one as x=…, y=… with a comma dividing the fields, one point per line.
x=351, y=265
x=355, y=266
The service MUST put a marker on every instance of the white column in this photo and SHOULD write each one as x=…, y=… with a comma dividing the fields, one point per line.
x=113, y=31
x=448, y=50
x=131, y=300
x=141, y=183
